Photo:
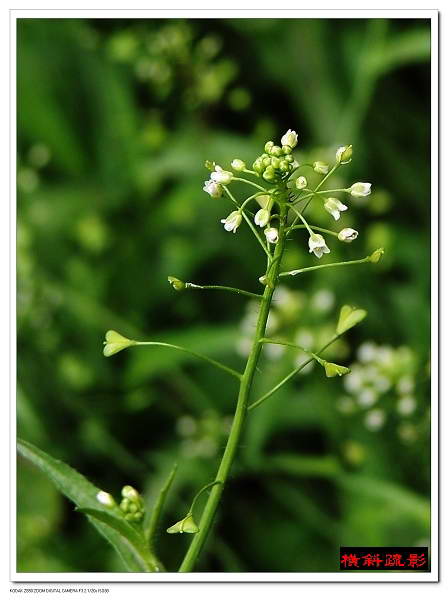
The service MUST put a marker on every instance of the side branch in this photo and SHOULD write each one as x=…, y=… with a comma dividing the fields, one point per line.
x=290, y=375
x=196, y=354
x=224, y=288
x=338, y=264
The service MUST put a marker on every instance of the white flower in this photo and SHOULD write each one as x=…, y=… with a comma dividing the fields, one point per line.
x=262, y=217
x=344, y=154
x=360, y=189
x=334, y=207
x=347, y=235
x=106, y=499
x=232, y=222
x=321, y=167
x=271, y=234
x=301, y=182
x=238, y=165
x=317, y=245
x=212, y=188
x=221, y=176
x=290, y=139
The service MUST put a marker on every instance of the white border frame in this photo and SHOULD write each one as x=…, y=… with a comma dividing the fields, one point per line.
x=352, y=577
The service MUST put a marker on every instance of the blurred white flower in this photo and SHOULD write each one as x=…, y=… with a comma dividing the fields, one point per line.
x=375, y=419
x=406, y=405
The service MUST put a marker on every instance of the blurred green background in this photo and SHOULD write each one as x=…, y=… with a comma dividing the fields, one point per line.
x=115, y=120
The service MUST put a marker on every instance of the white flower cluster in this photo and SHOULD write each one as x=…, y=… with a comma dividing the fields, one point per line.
x=276, y=165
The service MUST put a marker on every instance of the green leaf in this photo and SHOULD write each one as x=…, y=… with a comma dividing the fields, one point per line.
x=83, y=493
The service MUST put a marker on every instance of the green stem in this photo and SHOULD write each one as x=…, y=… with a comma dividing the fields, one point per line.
x=259, y=187
x=290, y=375
x=225, y=288
x=313, y=227
x=193, y=353
x=291, y=345
x=338, y=264
x=233, y=441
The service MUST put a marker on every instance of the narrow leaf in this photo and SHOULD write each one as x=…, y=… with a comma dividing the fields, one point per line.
x=83, y=493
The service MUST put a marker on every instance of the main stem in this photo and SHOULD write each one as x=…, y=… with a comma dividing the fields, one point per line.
x=233, y=441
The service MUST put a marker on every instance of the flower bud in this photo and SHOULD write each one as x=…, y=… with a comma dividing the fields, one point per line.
x=268, y=147
x=269, y=173
x=290, y=138
x=233, y=221
x=349, y=317
x=177, y=284
x=221, y=176
x=334, y=207
x=286, y=150
x=344, y=154
x=262, y=217
x=283, y=166
x=115, y=342
x=275, y=162
x=271, y=234
x=376, y=256
x=276, y=151
x=332, y=369
x=321, y=167
x=347, y=235
x=105, y=499
x=130, y=493
x=258, y=165
x=301, y=182
x=238, y=165
x=186, y=525
x=360, y=189
x=263, y=280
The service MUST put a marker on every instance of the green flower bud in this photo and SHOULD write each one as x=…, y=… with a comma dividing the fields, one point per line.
x=130, y=493
x=269, y=174
x=263, y=280
x=268, y=146
x=105, y=499
x=115, y=342
x=376, y=256
x=275, y=162
x=321, y=167
x=332, y=369
x=258, y=165
x=283, y=166
x=349, y=317
x=344, y=154
x=267, y=161
x=238, y=165
x=177, y=284
x=286, y=149
x=289, y=158
x=186, y=525
x=276, y=151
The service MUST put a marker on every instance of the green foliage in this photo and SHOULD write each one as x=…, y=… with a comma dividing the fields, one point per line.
x=115, y=121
